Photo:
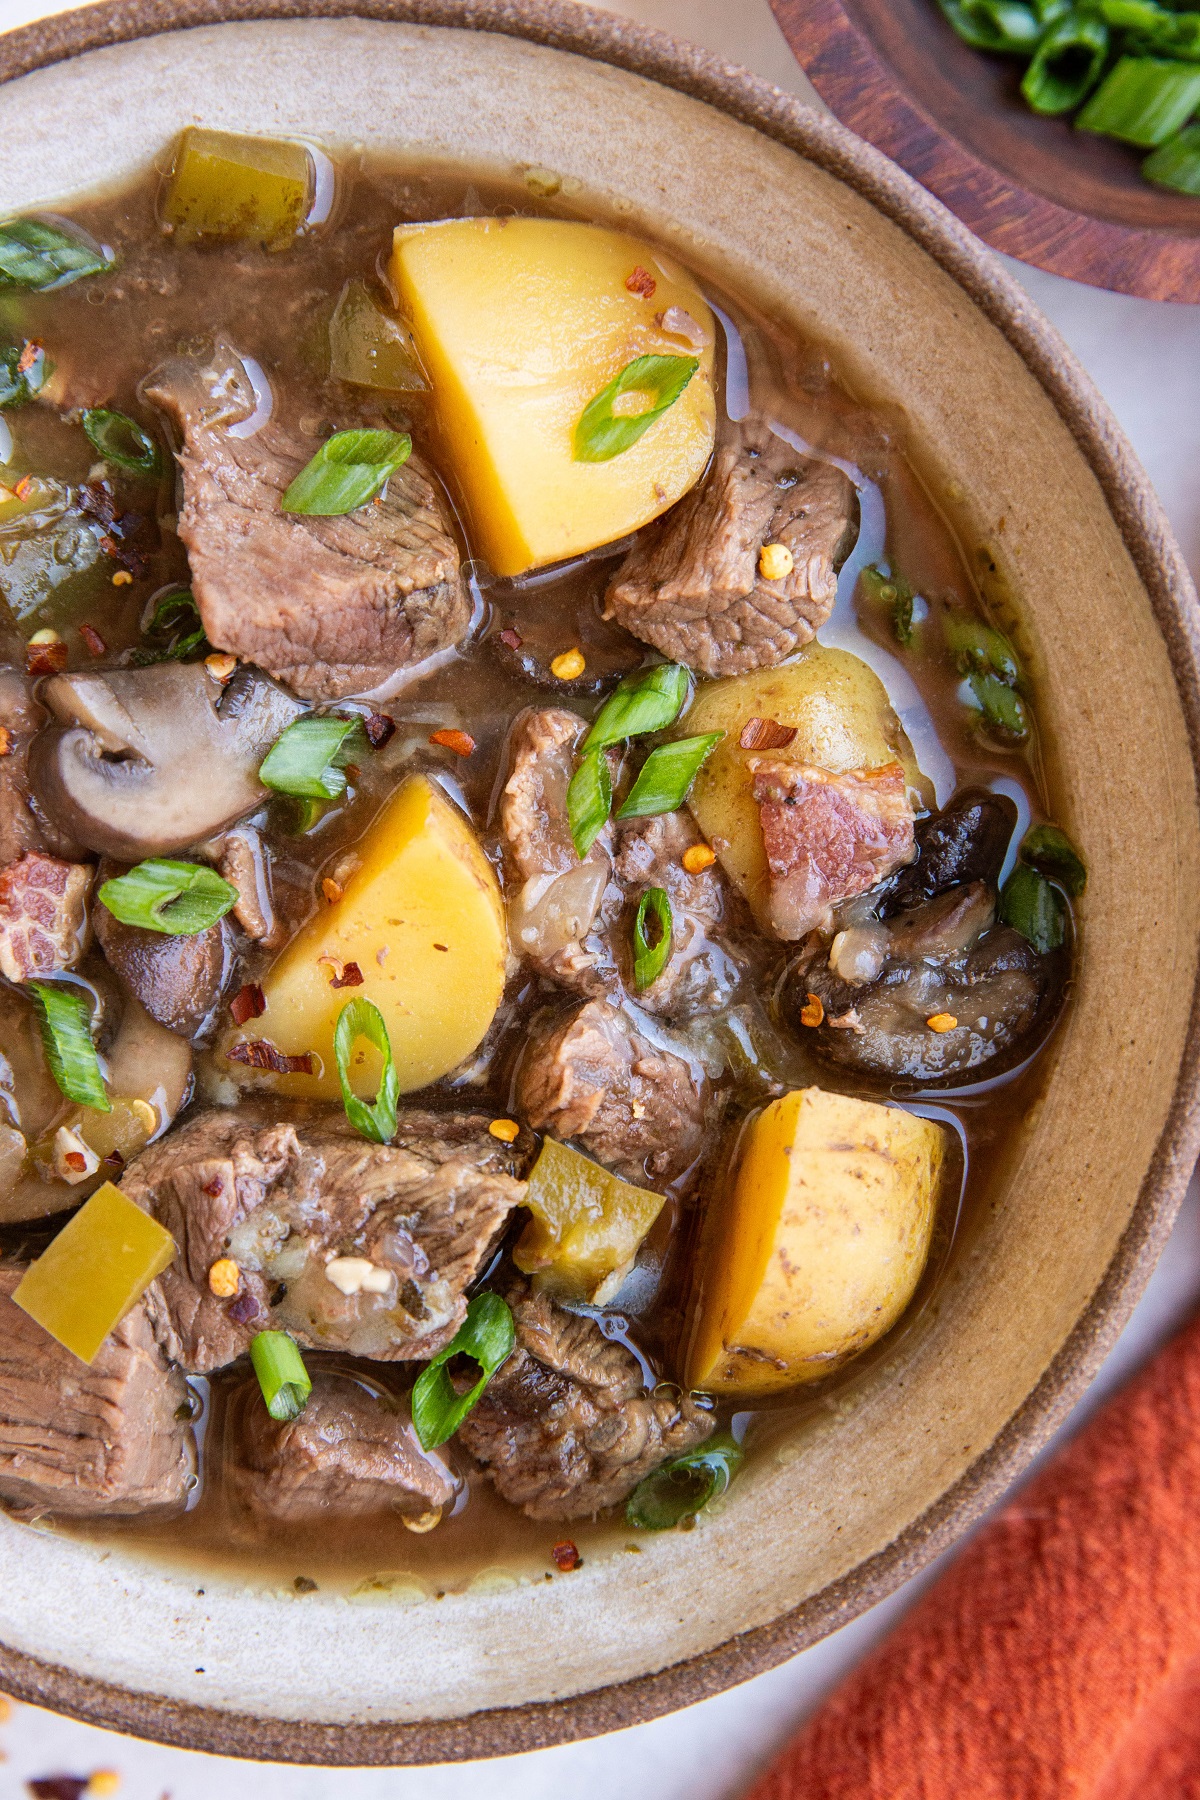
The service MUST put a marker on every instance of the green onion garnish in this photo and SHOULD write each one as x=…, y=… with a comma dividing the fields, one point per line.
x=999, y=25
x=1051, y=851
x=17, y=383
x=1066, y=64
x=349, y=469
x=1176, y=164
x=177, y=898
x=980, y=648
x=310, y=758
x=589, y=801
x=282, y=1376
x=894, y=593
x=121, y=440
x=648, y=701
x=1001, y=706
x=487, y=1336
x=376, y=1121
x=603, y=433
x=683, y=1487
x=1143, y=100
x=63, y=1016
x=176, y=612
x=34, y=254
x=650, y=959
x=665, y=778
x=1031, y=906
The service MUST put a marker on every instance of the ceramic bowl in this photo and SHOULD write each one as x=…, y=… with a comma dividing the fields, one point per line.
x=1034, y=476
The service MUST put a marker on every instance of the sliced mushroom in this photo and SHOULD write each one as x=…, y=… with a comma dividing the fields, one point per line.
x=178, y=980
x=143, y=762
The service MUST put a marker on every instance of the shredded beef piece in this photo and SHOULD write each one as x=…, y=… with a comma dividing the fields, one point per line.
x=828, y=837
x=330, y=606
x=639, y=1110
x=283, y=1199
x=566, y=1427
x=110, y=1436
x=702, y=971
x=43, y=915
x=691, y=584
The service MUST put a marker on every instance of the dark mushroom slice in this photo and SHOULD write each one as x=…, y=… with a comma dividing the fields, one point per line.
x=178, y=979
x=143, y=762
x=967, y=841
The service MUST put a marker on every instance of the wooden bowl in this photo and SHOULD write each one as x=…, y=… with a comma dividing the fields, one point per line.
x=1064, y=200
x=1031, y=471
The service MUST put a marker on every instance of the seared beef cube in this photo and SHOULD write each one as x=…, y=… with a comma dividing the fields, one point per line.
x=700, y=974
x=43, y=915
x=348, y=1245
x=566, y=1426
x=639, y=1110
x=329, y=606
x=691, y=585
x=350, y=1452
x=79, y=1439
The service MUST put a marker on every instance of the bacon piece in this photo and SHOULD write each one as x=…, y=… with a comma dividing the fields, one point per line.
x=828, y=837
x=43, y=915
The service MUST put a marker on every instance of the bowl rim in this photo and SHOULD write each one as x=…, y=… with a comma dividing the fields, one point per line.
x=1139, y=516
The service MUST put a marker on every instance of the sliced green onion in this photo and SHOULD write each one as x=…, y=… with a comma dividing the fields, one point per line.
x=121, y=440
x=589, y=801
x=1051, y=851
x=1152, y=30
x=1143, y=100
x=894, y=593
x=309, y=760
x=63, y=1016
x=19, y=384
x=650, y=959
x=684, y=1486
x=980, y=648
x=1001, y=706
x=1176, y=164
x=665, y=778
x=349, y=469
x=1066, y=64
x=648, y=701
x=1002, y=25
x=35, y=254
x=1031, y=906
x=176, y=610
x=487, y=1336
x=282, y=1376
x=177, y=898
x=377, y=1121
x=603, y=433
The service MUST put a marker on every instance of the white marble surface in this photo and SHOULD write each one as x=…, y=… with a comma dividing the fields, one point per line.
x=1145, y=358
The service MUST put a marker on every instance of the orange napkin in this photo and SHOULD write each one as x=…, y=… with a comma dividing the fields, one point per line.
x=1059, y=1658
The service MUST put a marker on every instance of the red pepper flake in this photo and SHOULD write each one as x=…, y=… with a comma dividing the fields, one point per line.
x=512, y=639
x=641, y=282
x=24, y=487
x=7, y=746
x=766, y=734
x=248, y=1003
x=30, y=352
x=441, y=946
x=214, y=1188
x=114, y=1160
x=76, y=1160
x=351, y=976
x=45, y=659
x=260, y=1053
x=58, y=1787
x=461, y=742
x=379, y=728
x=93, y=640
x=245, y=1308
x=567, y=1556
x=332, y=890
x=352, y=772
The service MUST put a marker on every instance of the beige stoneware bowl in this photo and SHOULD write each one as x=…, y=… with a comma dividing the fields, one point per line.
x=1029, y=466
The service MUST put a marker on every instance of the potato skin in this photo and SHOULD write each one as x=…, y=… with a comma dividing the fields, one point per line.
x=843, y=720
x=817, y=1247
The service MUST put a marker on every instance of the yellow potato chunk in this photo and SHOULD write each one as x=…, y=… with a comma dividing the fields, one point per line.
x=586, y=1229
x=422, y=919
x=232, y=188
x=815, y=1251
x=843, y=720
x=101, y=1262
x=520, y=323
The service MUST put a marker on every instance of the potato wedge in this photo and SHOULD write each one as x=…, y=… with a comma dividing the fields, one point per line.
x=520, y=323
x=843, y=720
x=817, y=1247
x=422, y=920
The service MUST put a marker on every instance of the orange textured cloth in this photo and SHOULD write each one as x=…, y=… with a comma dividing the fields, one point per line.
x=1059, y=1657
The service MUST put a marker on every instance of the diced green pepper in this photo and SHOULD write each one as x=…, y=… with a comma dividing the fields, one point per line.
x=370, y=349
x=232, y=189
x=99, y=1265
x=587, y=1226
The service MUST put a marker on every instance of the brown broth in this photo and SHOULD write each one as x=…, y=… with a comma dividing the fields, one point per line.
x=103, y=337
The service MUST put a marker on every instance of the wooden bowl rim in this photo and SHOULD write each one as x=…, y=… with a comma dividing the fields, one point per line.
x=605, y=37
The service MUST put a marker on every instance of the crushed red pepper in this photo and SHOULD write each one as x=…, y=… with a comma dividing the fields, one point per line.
x=566, y=1555
x=93, y=640
x=766, y=734
x=461, y=742
x=260, y=1053
x=248, y=1003
x=641, y=282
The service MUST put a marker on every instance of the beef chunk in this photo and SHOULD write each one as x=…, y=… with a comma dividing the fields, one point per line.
x=691, y=584
x=43, y=915
x=350, y=1452
x=112, y=1436
x=967, y=841
x=178, y=980
x=827, y=837
x=566, y=1427
x=20, y=717
x=330, y=606
x=639, y=1110
x=702, y=971
x=293, y=1203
